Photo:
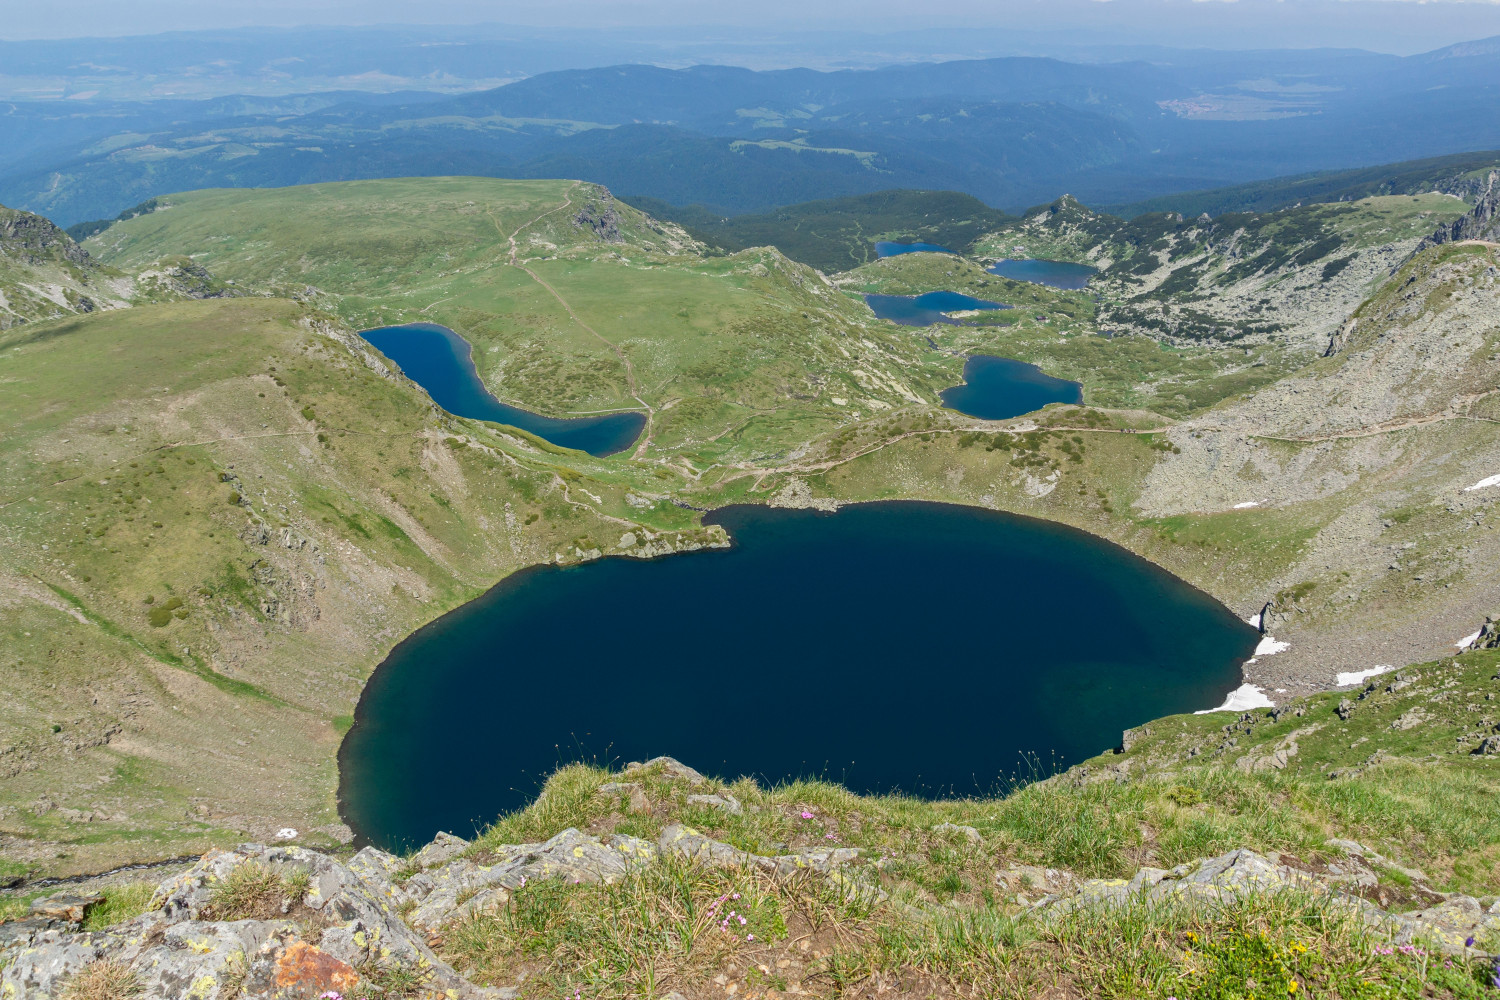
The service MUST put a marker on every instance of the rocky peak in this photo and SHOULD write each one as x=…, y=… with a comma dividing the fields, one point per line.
x=599, y=216
x=36, y=240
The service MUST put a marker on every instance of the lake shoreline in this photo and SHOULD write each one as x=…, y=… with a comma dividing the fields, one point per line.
x=440, y=361
x=752, y=513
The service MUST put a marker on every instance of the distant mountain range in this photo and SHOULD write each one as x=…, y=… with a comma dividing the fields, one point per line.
x=1011, y=132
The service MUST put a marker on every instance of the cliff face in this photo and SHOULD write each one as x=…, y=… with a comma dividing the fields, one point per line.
x=1483, y=223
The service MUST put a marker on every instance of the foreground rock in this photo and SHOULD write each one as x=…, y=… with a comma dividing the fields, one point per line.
x=277, y=923
x=324, y=939
x=1450, y=922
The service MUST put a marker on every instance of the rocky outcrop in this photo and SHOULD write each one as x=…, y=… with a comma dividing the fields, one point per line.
x=324, y=939
x=1488, y=636
x=600, y=217
x=797, y=495
x=1481, y=223
x=688, y=843
x=183, y=278
x=36, y=240
x=1448, y=922
x=445, y=890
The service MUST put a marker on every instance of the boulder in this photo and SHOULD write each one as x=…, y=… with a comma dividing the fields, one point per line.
x=340, y=926
x=723, y=800
x=575, y=856
x=444, y=847
x=667, y=767
x=969, y=833
x=634, y=794
x=686, y=842
x=1222, y=878
x=64, y=907
x=1448, y=924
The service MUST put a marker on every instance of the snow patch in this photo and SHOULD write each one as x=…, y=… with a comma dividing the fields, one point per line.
x=1254, y=620
x=1469, y=639
x=1357, y=676
x=1242, y=699
x=1269, y=645
x=286, y=833
x=1483, y=483
x=1246, y=504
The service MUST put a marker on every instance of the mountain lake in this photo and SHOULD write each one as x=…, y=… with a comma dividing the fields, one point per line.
x=442, y=362
x=1057, y=273
x=934, y=649
x=891, y=249
x=1000, y=388
x=927, y=309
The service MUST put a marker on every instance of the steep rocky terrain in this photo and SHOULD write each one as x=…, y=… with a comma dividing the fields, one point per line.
x=1481, y=223
x=1246, y=279
x=44, y=274
x=1384, y=454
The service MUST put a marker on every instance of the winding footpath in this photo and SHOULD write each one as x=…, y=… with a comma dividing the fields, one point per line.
x=514, y=261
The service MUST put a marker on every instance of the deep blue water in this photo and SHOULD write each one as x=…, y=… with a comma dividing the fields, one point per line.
x=898, y=645
x=1057, y=273
x=888, y=249
x=1001, y=388
x=442, y=362
x=925, y=310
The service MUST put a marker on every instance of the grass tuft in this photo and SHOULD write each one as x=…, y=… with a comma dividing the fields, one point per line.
x=105, y=979
x=253, y=891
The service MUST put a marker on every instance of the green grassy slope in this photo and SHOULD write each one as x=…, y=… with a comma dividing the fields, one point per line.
x=217, y=519
x=731, y=355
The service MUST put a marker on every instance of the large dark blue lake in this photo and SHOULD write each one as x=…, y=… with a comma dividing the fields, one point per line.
x=891, y=646
x=442, y=362
x=1001, y=388
x=1057, y=273
x=926, y=309
x=891, y=249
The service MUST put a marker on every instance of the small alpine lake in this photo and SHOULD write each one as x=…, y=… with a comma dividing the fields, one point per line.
x=1000, y=388
x=927, y=309
x=897, y=645
x=888, y=248
x=1056, y=273
x=442, y=362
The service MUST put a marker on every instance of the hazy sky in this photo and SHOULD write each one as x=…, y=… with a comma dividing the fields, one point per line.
x=1401, y=26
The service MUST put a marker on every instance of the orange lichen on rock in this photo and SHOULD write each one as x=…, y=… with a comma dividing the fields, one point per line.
x=305, y=965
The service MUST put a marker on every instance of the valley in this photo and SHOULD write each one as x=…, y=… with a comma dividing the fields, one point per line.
x=239, y=515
